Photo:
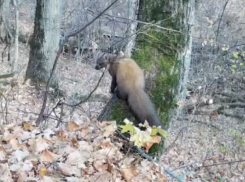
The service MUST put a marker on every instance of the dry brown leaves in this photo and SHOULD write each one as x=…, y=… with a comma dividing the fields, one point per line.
x=85, y=152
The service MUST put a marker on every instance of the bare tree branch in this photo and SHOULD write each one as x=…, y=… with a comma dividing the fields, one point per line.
x=217, y=34
x=74, y=105
x=138, y=21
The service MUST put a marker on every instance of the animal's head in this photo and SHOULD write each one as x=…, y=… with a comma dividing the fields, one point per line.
x=102, y=60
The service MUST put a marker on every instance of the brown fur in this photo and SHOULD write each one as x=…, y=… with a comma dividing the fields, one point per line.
x=128, y=82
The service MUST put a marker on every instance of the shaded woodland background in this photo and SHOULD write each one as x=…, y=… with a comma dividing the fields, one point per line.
x=206, y=142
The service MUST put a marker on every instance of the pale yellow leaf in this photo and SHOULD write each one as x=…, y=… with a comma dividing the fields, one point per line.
x=42, y=171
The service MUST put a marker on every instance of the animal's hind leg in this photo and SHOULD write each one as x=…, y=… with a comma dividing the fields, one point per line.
x=113, y=84
x=120, y=95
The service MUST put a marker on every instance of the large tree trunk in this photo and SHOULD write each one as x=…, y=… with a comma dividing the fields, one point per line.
x=4, y=16
x=163, y=51
x=45, y=40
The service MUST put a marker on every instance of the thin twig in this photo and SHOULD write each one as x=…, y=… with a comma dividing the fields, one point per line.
x=215, y=164
x=217, y=34
x=45, y=116
x=223, y=163
x=61, y=115
x=173, y=143
x=74, y=105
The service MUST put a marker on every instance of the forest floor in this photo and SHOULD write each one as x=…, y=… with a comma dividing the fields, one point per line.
x=80, y=142
x=198, y=147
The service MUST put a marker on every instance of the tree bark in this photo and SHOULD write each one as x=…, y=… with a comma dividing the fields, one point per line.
x=133, y=6
x=4, y=16
x=45, y=41
x=16, y=40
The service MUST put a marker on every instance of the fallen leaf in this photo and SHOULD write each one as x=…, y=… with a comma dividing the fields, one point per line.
x=89, y=170
x=5, y=172
x=20, y=155
x=62, y=135
x=17, y=130
x=42, y=144
x=109, y=129
x=48, y=133
x=48, y=156
x=78, y=158
x=100, y=165
x=161, y=177
x=27, y=126
x=25, y=135
x=27, y=166
x=2, y=154
x=128, y=173
x=74, y=143
x=104, y=123
x=48, y=179
x=8, y=136
x=14, y=144
x=15, y=167
x=69, y=170
x=129, y=127
x=85, y=146
x=108, y=153
x=42, y=171
x=66, y=150
x=101, y=176
x=73, y=126
x=73, y=179
x=154, y=139
x=84, y=132
x=106, y=144
x=22, y=177
x=140, y=137
x=110, y=167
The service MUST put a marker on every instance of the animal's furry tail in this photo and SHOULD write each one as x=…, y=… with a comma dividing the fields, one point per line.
x=143, y=108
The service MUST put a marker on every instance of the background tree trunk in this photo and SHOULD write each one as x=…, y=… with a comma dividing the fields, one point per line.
x=45, y=40
x=4, y=16
x=16, y=40
x=163, y=51
x=133, y=6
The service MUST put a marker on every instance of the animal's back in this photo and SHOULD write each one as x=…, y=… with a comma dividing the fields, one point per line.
x=129, y=75
x=131, y=84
